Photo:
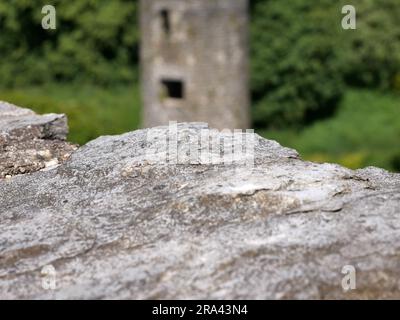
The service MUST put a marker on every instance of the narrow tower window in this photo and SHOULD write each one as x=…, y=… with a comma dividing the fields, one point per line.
x=165, y=21
x=173, y=88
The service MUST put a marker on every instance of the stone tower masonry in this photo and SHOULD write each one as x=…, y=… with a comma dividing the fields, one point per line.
x=194, y=62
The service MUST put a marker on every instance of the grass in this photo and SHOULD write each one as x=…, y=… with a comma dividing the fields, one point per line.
x=91, y=111
x=364, y=131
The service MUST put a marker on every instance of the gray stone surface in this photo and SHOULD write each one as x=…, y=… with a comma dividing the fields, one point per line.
x=206, y=50
x=115, y=226
x=30, y=142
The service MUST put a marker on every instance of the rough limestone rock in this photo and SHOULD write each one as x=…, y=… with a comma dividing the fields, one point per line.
x=113, y=225
x=29, y=142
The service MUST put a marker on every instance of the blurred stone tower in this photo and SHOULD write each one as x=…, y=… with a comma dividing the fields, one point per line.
x=194, y=62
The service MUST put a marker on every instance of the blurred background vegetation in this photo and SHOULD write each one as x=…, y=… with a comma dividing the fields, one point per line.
x=332, y=94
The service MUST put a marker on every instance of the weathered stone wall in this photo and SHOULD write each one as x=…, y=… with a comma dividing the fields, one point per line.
x=205, y=47
x=113, y=225
x=29, y=142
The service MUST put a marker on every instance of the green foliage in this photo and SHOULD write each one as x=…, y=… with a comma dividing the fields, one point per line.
x=296, y=74
x=95, y=41
x=91, y=111
x=365, y=131
x=302, y=58
x=371, y=53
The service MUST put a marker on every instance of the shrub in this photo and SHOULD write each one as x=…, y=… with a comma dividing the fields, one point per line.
x=371, y=53
x=95, y=42
x=296, y=75
x=301, y=57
